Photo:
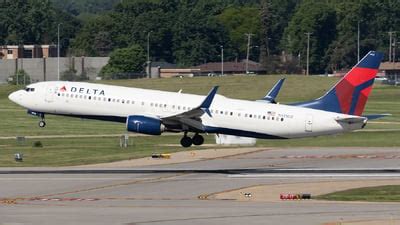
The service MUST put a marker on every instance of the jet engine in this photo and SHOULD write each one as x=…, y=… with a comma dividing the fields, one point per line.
x=144, y=125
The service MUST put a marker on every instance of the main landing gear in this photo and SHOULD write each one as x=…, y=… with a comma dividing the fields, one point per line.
x=186, y=141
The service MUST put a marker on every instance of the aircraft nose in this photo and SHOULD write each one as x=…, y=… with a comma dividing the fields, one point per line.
x=14, y=96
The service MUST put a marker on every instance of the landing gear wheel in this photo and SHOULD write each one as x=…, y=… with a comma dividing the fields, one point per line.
x=198, y=139
x=42, y=124
x=186, y=142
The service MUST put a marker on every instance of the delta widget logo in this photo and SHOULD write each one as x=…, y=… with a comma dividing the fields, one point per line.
x=63, y=89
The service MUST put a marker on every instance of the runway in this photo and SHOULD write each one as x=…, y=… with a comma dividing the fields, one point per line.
x=188, y=193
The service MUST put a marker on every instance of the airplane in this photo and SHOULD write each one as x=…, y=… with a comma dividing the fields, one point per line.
x=153, y=112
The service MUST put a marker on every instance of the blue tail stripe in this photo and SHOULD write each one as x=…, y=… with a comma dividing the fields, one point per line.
x=372, y=60
x=357, y=93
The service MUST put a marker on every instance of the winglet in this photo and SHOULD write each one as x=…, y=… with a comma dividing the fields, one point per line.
x=273, y=93
x=205, y=105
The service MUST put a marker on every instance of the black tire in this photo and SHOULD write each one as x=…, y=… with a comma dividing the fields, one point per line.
x=186, y=142
x=42, y=124
x=198, y=139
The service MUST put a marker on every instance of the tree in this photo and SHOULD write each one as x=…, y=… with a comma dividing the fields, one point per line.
x=21, y=77
x=123, y=62
x=34, y=22
x=238, y=21
x=319, y=19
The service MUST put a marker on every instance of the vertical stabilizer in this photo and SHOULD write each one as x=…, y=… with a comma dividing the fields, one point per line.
x=350, y=94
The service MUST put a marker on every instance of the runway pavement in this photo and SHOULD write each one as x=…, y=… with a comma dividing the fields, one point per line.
x=177, y=194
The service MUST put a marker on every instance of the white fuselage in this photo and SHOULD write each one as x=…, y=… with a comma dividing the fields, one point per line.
x=244, y=117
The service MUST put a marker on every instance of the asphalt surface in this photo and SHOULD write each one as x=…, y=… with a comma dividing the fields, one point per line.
x=174, y=194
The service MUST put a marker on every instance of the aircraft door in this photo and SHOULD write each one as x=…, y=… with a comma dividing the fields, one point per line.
x=309, y=123
x=50, y=92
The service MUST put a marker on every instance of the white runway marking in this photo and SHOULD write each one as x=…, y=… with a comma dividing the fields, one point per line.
x=307, y=175
x=60, y=179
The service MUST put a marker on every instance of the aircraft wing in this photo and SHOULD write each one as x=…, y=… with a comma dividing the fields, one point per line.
x=191, y=118
x=273, y=93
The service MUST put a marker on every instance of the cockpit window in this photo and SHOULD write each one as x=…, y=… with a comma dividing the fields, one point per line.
x=29, y=89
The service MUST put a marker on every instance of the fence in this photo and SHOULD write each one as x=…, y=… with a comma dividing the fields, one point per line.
x=46, y=69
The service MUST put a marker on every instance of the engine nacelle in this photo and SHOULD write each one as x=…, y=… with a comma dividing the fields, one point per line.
x=144, y=125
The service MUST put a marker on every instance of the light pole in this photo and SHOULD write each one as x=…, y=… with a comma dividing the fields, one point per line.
x=308, y=53
x=58, y=51
x=222, y=60
x=148, y=55
x=248, y=50
x=390, y=44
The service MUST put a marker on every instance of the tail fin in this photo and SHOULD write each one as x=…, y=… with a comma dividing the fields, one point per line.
x=350, y=94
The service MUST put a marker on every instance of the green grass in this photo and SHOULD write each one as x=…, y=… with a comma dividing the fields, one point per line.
x=79, y=151
x=62, y=151
x=390, y=193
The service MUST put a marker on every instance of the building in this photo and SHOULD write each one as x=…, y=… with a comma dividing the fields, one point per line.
x=27, y=51
x=230, y=68
x=392, y=72
x=168, y=73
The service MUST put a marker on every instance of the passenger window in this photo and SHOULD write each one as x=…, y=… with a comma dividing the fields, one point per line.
x=90, y=97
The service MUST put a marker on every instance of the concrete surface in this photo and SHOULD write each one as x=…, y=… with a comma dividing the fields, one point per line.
x=174, y=194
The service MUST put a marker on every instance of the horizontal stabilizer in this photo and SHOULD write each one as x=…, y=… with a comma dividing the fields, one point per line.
x=376, y=116
x=351, y=120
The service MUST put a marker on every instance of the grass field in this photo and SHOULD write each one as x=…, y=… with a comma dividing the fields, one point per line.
x=390, y=193
x=64, y=151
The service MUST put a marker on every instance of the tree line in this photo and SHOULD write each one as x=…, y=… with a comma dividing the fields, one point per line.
x=192, y=32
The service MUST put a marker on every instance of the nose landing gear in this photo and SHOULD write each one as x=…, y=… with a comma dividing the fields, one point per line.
x=186, y=141
x=42, y=123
